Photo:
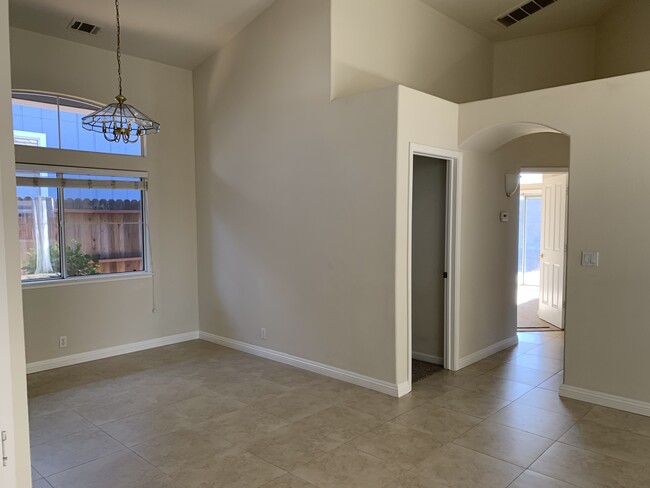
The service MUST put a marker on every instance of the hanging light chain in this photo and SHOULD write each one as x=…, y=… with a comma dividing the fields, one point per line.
x=119, y=48
x=120, y=121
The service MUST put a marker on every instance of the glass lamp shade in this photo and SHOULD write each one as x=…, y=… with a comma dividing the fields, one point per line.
x=120, y=121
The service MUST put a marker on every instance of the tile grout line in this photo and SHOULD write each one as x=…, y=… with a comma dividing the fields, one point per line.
x=382, y=422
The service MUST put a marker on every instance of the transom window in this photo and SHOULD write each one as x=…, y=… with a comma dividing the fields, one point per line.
x=45, y=120
x=79, y=222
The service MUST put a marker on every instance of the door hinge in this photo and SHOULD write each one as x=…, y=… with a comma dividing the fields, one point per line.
x=4, y=448
x=444, y=275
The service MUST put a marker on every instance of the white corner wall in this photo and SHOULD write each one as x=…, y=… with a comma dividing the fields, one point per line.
x=378, y=43
x=606, y=335
x=544, y=61
x=428, y=120
x=13, y=411
x=295, y=199
x=109, y=314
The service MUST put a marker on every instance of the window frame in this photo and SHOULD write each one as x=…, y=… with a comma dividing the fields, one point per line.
x=64, y=280
x=59, y=96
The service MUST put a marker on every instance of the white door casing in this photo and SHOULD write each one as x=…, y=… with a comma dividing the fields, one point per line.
x=7, y=473
x=553, y=249
x=7, y=469
x=452, y=258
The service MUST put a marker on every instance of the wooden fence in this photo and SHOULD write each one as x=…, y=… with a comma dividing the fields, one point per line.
x=108, y=230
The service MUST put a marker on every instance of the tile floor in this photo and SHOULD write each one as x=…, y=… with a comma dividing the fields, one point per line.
x=199, y=415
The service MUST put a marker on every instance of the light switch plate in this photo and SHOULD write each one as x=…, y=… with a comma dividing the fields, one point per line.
x=589, y=258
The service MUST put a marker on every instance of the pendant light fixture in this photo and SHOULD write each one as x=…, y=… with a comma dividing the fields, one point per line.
x=120, y=121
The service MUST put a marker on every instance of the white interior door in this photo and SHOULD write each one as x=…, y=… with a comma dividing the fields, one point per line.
x=552, y=249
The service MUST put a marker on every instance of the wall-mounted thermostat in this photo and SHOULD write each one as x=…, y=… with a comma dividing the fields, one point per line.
x=504, y=216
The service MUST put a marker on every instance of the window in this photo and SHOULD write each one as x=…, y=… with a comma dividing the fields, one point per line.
x=45, y=120
x=77, y=222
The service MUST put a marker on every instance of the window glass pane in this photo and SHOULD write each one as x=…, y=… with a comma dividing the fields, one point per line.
x=38, y=231
x=51, y=121
x=75, y=137
x=35, y=120
x=103, y=230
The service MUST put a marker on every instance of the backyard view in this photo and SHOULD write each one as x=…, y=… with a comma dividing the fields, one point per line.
x=102, y=231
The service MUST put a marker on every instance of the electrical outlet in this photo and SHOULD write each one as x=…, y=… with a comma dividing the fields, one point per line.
x=63, y=341
x=263, y=333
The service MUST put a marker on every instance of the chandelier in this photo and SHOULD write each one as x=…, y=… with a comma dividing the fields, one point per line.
x=119, y=121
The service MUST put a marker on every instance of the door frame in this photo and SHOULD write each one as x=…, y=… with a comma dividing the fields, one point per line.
x=551, y=170
x=454, y=160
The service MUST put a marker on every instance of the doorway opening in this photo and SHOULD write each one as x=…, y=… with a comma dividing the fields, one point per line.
x=428, y=243
x=543, y=200
x=433, y=202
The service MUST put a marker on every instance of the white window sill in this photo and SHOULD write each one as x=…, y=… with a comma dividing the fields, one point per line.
x=86, y=280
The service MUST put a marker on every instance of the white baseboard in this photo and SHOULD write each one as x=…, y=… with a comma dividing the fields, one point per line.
x=428, y=358
x=84, y=357
x=403, y=388
x=487, y=351
x=313, y=366
x=605, y=399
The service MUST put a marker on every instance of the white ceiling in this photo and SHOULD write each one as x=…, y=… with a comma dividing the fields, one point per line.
x=564, y=14
x=185, y=32
x=181, y=33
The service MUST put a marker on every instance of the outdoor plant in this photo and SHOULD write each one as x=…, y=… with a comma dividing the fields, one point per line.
x=78, y=263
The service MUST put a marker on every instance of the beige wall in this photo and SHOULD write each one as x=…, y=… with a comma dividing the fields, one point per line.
x=14, y=397
x=544, y=61
x=616, y=45
x=295, y=197
x=101, y=315
x=377, y=43
x=622, y=40
x=607, y=123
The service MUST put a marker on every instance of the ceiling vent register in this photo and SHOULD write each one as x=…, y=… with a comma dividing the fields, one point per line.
x=521, y=12
x=81, y=26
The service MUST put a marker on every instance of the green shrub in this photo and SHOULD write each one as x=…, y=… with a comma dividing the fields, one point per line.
x=77, y=262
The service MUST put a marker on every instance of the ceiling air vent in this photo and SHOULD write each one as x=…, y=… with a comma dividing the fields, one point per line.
x=524, y=10
x=81, y=26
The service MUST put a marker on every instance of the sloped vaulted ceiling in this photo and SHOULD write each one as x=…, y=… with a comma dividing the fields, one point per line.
x=178, y=32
